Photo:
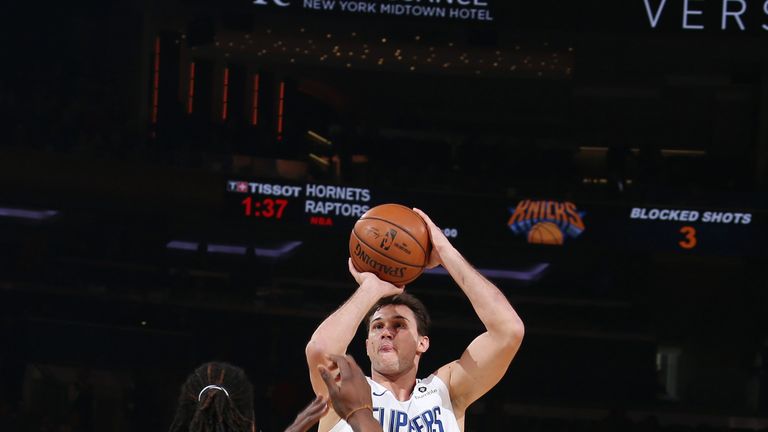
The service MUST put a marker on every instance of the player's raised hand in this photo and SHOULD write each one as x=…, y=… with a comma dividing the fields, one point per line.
x=438, y=239
x=310, y=415
x=348, y=389
x=385, y=289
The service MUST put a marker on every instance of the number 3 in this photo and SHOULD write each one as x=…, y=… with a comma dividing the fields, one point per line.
x=690, y=237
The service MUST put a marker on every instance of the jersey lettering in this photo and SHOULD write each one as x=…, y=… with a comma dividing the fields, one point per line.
x=378, y=413
x=398, y=421
x=437, y=419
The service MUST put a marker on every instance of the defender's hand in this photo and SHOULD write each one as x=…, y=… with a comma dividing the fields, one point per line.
x=310, y=415
x=349, y=391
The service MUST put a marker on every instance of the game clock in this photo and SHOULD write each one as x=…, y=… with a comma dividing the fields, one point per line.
x=305, y=204
x=268, y=208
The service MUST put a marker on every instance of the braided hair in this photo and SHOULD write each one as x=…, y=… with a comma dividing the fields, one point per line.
x=216, y=397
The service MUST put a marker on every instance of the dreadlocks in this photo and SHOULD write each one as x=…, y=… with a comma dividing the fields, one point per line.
x=216, y=397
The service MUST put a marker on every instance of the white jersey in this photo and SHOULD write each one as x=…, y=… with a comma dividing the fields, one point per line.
x=428, y=410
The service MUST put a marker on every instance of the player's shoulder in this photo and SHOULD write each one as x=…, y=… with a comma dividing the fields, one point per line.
x=432, y=379
x=431, y=384
x=444, y=373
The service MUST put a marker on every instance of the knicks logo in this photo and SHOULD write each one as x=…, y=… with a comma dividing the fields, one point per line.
x=386, y=242
x=546, y=222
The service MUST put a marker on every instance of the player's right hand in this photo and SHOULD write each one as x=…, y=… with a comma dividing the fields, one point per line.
x=385, y=289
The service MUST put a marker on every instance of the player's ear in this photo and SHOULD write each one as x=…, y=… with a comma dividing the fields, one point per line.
x=423, y=345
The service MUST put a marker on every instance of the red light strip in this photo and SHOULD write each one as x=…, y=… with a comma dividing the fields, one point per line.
x=191, y=90
x=156, y=81
x=280, y=111
x=255, y=102
x=225, y=95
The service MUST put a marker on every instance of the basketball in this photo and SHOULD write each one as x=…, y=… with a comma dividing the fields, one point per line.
x=391, y=241
x=545, y=233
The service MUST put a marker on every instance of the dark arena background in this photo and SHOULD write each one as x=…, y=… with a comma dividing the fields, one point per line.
x=178, y=181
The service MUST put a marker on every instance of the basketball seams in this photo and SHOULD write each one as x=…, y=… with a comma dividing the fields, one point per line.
x=423, y=251
x=386, y=219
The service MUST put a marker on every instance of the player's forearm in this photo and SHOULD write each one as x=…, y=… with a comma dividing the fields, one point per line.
x=490, y=304
x=337, y=331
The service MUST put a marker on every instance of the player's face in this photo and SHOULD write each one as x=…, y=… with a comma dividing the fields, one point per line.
x=393, y=343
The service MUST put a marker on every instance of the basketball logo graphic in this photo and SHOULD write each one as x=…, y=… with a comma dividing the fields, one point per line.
x=545, y=233
x=546, y=222
x=386, y=242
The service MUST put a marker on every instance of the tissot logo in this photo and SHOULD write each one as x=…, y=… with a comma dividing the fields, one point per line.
x=280, y=3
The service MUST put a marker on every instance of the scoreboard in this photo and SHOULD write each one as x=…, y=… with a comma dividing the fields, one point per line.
x=503, y=222
x=314, y=204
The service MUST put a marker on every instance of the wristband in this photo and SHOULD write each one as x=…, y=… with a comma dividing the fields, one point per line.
x=368, y=407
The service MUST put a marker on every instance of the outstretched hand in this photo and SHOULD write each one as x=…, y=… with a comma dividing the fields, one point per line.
x=385, y=288
x=310, y=415
x=438, y=239
x=349, y=390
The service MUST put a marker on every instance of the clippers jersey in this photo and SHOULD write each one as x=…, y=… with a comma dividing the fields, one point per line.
x=428, y=410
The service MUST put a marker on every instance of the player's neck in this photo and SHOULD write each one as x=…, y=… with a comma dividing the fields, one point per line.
x=400, y=385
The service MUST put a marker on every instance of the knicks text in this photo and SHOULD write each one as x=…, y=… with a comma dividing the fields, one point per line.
x=563, y=214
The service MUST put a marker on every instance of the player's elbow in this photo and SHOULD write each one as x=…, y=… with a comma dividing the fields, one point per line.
x=513, y=332
x=518, y=331
x=315, y=352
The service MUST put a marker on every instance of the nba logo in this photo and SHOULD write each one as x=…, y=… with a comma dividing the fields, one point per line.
x=386, y=242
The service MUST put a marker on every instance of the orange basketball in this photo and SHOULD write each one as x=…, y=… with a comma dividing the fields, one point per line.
x=391, y=241
x=545, y=233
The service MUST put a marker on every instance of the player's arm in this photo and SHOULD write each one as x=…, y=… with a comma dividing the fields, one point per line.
x=310, y=415
x=350, y=394
x=485, y=361
x=336, y=332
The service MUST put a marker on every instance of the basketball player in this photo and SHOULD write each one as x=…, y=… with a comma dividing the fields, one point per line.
x=397, y=325
x=218, y=397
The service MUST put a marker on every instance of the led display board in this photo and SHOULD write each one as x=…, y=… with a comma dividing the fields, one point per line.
x=499, y=221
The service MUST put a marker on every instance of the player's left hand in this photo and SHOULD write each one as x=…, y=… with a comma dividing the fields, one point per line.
x=437, y=237
x=310, y=415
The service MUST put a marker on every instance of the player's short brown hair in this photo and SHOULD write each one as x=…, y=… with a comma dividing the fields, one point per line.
x=415, y=305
